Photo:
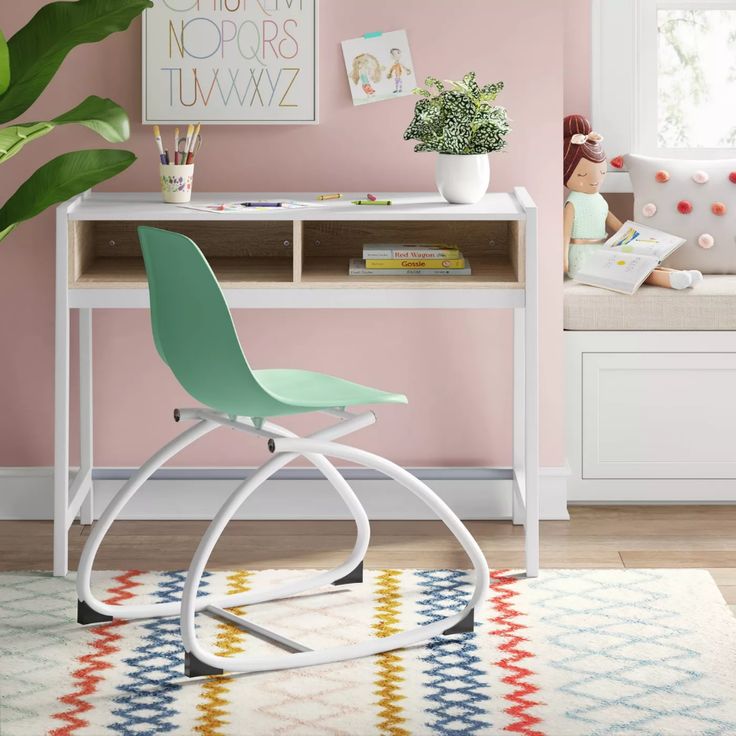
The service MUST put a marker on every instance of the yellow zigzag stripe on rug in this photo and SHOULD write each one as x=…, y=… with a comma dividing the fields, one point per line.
x=388, y=605
x=215, y=689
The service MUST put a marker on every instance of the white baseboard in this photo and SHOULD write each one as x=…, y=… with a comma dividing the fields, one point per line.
x=473, y=493
x=652, y=491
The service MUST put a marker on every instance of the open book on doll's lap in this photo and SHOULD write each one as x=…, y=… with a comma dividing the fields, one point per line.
x=628, y=258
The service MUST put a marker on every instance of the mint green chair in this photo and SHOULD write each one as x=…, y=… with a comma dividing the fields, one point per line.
x=195, y=336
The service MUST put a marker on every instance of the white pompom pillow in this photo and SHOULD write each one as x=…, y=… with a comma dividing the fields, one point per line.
x=693, y=199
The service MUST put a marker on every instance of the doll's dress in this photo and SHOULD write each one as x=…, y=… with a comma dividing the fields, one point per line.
x=589, y=223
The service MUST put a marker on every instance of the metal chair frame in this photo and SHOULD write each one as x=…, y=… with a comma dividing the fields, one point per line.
x=284, y=446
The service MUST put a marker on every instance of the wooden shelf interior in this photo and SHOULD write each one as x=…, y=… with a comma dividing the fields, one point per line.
x=310, y=253
x=108, y=252
x=494, y=249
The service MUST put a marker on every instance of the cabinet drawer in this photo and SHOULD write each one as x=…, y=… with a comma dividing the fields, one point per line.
x=659, y=415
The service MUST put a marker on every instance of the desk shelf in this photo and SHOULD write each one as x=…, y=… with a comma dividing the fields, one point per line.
x=106, y=253
x=294, y=250
x=129, y=273
x=489, y=272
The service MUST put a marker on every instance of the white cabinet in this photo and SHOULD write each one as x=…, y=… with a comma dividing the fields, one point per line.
x=659, y=415
x=651, y=416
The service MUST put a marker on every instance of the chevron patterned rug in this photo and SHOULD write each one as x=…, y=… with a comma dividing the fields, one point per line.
x=592, y=652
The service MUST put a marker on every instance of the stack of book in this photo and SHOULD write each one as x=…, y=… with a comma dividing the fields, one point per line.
x=409, y=260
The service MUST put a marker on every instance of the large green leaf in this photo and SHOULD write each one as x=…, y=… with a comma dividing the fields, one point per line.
x=59, y=180
x=101, y=115
x=4, y=64
x=37, y=49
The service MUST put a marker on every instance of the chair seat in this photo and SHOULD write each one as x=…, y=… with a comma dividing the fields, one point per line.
x=311, y=390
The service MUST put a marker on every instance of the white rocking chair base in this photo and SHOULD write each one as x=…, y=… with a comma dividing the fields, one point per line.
x=286, y=447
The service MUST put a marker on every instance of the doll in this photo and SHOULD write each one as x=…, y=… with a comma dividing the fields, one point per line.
x=366, y=69
x=586, y=214
x=397, y=71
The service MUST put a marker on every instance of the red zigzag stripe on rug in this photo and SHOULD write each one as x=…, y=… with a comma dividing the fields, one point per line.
x=508, y=628
x=103, y=645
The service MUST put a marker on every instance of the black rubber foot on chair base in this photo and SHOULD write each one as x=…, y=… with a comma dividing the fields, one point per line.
x=194, y=668
x=87, y=615
x=464, y=626
x=356, y=576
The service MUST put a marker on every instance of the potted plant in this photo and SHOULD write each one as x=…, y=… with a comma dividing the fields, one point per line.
x=462, y=125
x=28, y=62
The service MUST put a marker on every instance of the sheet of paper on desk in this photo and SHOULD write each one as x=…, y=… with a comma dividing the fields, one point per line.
x=227, y=208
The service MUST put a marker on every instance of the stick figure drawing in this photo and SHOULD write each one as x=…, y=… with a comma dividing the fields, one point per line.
x=397, y=71
x=379, y=67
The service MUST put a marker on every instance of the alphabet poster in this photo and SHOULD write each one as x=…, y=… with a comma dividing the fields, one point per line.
x=379, y=67
x=230, y=61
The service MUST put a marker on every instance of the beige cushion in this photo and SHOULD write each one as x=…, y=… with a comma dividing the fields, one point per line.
x=711, y=305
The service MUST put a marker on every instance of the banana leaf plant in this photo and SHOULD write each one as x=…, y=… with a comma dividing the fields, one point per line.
x=28, y=62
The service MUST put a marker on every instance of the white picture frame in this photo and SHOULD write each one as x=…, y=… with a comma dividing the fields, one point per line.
x=278, y=85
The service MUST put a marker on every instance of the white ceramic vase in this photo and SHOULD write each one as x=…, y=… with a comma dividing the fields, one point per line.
x=463, y=179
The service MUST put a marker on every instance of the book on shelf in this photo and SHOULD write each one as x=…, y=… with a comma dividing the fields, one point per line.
x=414, y=263
x=419, y=251
x=627, y=258
x=358, y=268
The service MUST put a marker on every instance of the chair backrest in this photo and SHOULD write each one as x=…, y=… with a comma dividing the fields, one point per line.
x=192, y=326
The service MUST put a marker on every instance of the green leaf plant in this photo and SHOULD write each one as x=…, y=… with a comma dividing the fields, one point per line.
x=28, y=62
x=459, y=118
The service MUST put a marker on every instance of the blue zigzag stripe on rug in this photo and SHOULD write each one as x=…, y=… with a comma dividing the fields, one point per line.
x=459, y=701
x=613, y=667
x=155, y=669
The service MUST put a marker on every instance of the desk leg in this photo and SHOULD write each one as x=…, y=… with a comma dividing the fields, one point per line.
x=531, y=442
x=519, y=411
x=525, y=483
x=61, y=434
x=86, y=462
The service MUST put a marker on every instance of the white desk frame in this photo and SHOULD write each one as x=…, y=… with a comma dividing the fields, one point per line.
x=73, y=494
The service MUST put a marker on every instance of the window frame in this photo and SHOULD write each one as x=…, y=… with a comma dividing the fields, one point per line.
x=624, y=77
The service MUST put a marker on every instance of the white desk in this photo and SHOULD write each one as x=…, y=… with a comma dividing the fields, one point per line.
x=297, y=258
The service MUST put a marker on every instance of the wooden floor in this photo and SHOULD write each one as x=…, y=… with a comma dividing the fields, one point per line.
x=596, y=536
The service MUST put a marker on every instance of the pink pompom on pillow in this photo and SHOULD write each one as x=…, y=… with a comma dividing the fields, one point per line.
x=649, y=209
x=706, y=241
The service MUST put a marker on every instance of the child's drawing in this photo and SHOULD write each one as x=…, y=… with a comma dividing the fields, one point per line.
x=366, y=69
x=397, y=71
x=379, y=67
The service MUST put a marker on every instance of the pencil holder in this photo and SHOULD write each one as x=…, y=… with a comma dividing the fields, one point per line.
x=176, y=182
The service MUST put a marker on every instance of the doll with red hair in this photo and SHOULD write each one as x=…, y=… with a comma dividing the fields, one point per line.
x=587, y=218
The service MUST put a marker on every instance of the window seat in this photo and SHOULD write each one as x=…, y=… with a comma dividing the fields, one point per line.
x=711, y=305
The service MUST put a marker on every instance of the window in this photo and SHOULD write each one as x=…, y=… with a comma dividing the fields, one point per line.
x=696, y=60
x=664, y=76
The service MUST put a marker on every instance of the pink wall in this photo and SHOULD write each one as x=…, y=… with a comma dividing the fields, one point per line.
x=455, y=367
x=577, y=57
